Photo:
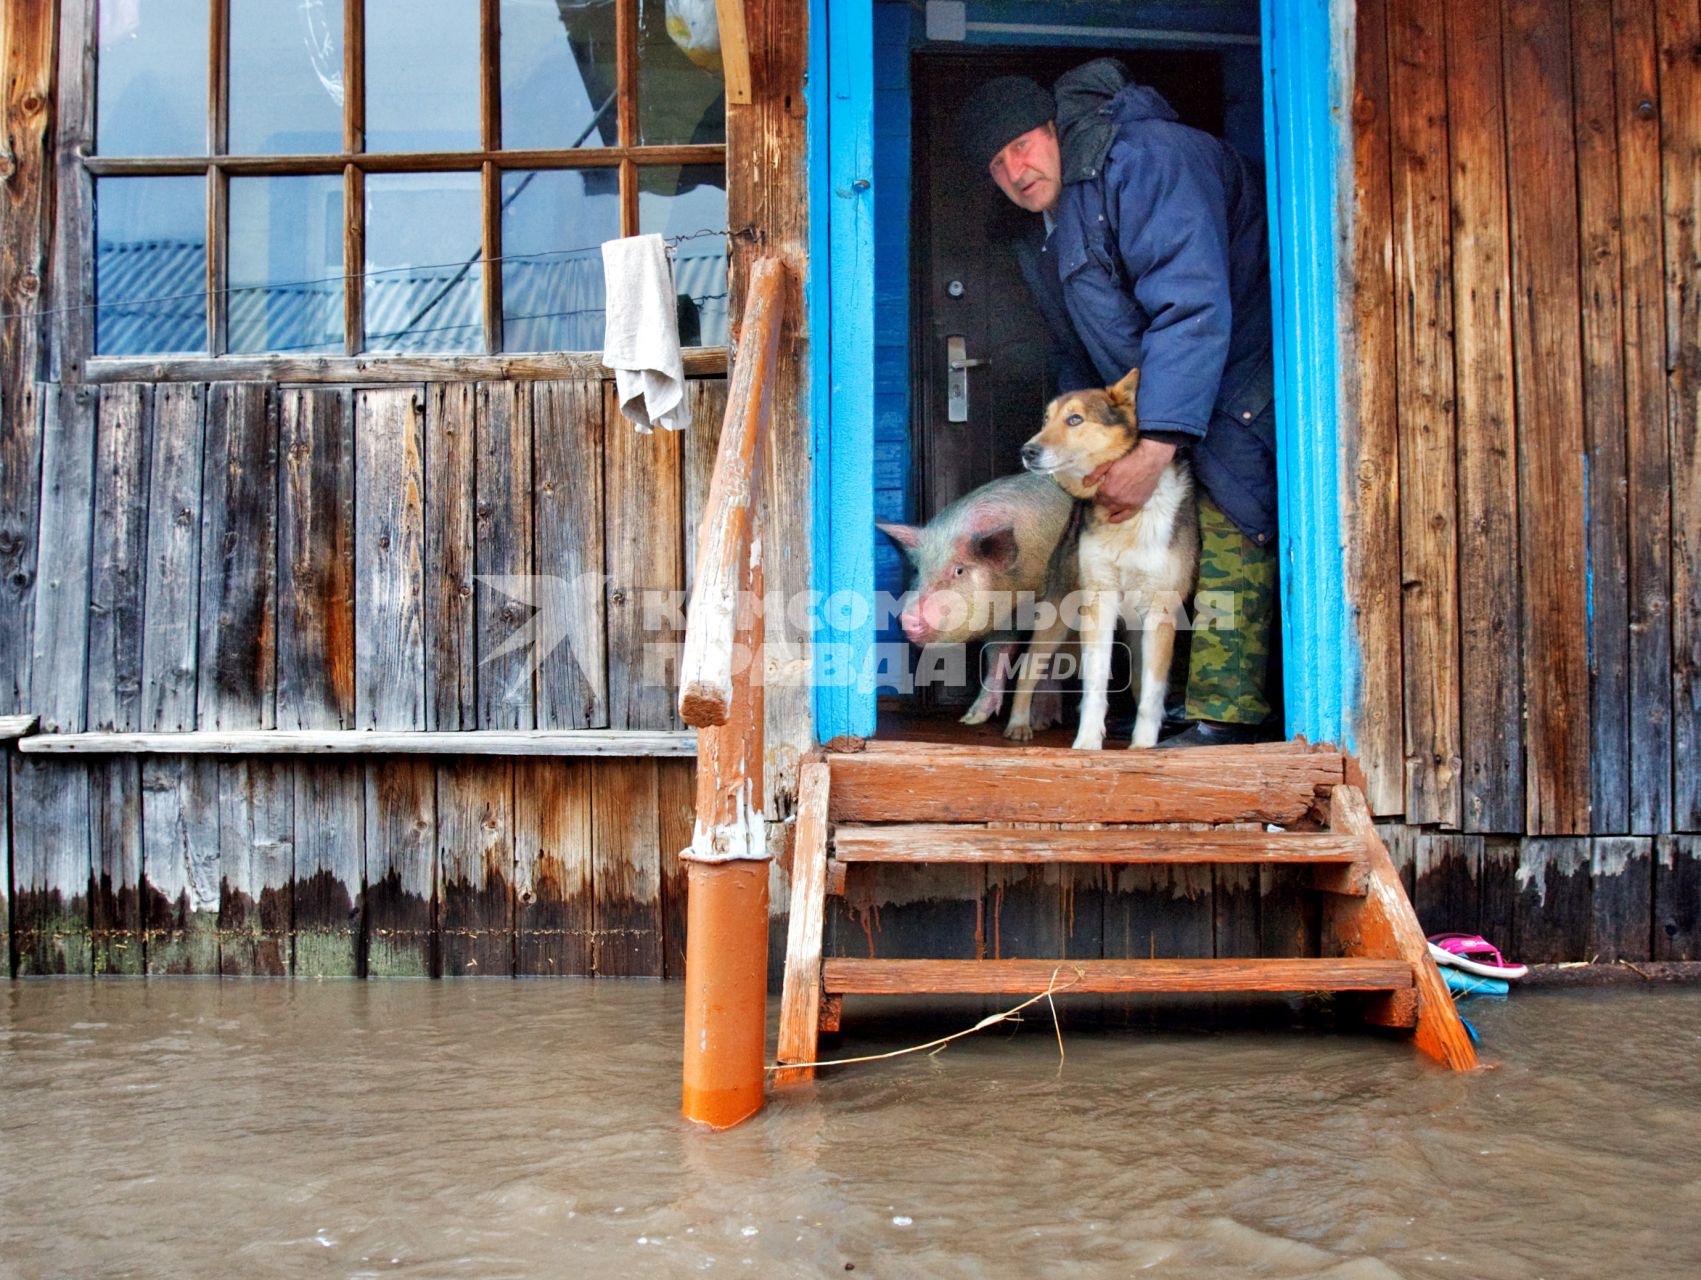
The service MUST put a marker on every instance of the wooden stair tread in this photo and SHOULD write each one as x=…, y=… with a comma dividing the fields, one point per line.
x=959, y=842
x=1028, y=977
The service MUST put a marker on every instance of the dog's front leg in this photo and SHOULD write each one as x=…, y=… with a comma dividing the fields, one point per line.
x=1157, y=644
x=1098, y=628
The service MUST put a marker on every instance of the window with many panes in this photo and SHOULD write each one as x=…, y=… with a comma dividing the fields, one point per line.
x=347, y=176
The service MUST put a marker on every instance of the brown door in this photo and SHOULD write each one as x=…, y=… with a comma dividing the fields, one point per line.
x=965, y=284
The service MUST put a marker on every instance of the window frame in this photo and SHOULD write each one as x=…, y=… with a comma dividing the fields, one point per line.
x=80, y=166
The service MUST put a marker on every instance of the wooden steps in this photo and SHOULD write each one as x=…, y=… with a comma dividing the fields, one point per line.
x=919, y=804
x=1120, y=977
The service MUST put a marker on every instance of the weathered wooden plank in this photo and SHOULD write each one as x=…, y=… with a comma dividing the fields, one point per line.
x=1289, y=919
x=1424, y=350
x=627, y=868
x=1121, y=786
x=645, y=569
x=1677, y=897
x=450, y=682
x=28, y=55
x=1023, y=907
x=572, y=674
x=1679, y=27
x=375, y=370
x=401, y=865
x=697, y=462
x=502, y=556
x=1647, y=449
x=554, y=902
x=50, y=867
x=676, y=803
x=72, y=264
x=237, y=650
x=475, y=869
x=330, y=855
x=1031, y=977
x=390, y=587
x=911, y=911
x=1153, y=912
x=1491, y=686
x=1547, y=360
x=1553, y=911
x=1498, y=891
x=180, y=865
x=256, y=866
x=1446, y=892
x=20, y=525
x=115, y=833
x=6, y=863
x=1373, y=514
x=1621, y=876
x=61, y=622
x=965, y=842
x=316, y=540
x=1607, y=532
x=363, y=742
x=118, y=558
x=800, y=1005
x=171, y=622
x=1234, y=908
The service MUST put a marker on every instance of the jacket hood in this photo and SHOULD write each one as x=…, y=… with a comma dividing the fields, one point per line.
x=1092, y=101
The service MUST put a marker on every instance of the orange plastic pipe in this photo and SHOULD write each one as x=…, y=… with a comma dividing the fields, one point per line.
x=726, y=991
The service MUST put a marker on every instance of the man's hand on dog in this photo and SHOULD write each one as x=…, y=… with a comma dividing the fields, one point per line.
x=1124, y=485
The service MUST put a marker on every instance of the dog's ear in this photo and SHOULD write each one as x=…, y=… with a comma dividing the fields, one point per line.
x=907, y=536
x=1123, y=392
x=996, y=547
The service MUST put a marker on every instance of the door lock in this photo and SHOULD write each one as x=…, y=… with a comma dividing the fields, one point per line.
x=957, y=366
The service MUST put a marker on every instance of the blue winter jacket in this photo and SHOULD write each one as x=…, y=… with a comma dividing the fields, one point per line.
x=1159, y=259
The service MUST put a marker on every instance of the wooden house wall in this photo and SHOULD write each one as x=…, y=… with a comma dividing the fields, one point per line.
x=253, y=556
x=1524, y=364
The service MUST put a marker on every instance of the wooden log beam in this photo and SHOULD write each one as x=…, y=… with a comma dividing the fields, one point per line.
x=1121, y=977
x=735, y=51
x=370, y=742
x=724, y=542
x=951, y=842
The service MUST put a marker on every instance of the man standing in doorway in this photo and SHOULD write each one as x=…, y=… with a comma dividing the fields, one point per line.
x=1150, y=250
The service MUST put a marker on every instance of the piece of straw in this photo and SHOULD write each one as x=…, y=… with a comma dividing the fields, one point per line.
x=991, y=1020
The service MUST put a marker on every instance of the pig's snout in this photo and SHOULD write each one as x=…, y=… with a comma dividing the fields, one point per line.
x=926, y=617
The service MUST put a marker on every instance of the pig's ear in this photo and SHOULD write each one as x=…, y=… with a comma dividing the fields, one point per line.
x=907, y=536
x=997, y=548
x=1123, y=392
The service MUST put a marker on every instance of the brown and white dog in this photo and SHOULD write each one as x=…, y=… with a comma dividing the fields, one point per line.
x=1140, y=570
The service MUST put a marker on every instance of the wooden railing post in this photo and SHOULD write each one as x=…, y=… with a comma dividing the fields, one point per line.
x=726, y=949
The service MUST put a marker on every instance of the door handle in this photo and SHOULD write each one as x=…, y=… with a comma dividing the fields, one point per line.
x=957, y=366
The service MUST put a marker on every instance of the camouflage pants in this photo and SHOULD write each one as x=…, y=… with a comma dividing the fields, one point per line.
x=1229, y=656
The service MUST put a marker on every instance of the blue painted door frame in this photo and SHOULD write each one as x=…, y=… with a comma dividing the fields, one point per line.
x=1306, y=57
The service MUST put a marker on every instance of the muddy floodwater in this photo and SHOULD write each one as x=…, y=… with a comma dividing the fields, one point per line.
x=529, y=1129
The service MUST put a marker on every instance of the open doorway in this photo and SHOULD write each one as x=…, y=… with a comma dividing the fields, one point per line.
x=942, y=238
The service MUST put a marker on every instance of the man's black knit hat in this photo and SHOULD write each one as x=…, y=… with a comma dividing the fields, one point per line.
x=997, y=113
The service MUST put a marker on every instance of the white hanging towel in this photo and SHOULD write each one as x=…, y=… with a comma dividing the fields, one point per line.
x=641, y=340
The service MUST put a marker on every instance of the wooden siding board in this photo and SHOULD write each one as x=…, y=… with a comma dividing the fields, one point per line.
x=1679, y=27
x=554, y=899
x=676, y=804
x=1159, y=912
x=1547, y=356
x=1446, y=869
x=1677, y=897
x=1621, y=875
x=1373, y=523
x=316, y=540
x=627, y=868
x=1553, y=910
x=390, y=586
x=329, y=868
x=256, y=866
x=50, y=867
x=20, y=527
x=1491, y=690
x=475, y=873
x=502, y=556
x=119, y=558
x=567, y=542
x=450, y=694
x=1601, y=288
x=6, y=865
x=61, y=622
x=643, y=545
x=28, y=40
x=1498, y=891
x=401, y=863
x=1424, y=307
x=1647, y=448
x=171, y=593
x=115, y=833
x=180, y=865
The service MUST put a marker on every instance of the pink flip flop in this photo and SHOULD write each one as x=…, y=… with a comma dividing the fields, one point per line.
x=1472, y=953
